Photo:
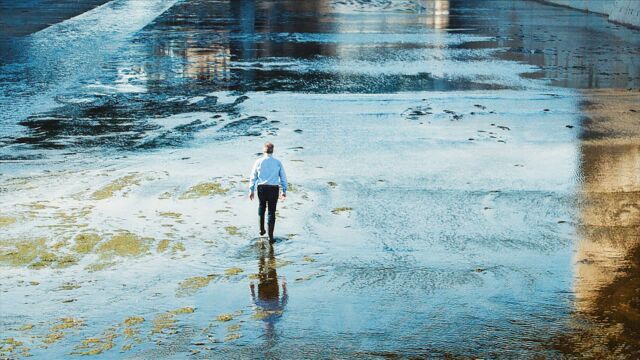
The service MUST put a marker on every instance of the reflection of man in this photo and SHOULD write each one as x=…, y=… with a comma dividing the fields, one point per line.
x=267, y=174
x=269, y=303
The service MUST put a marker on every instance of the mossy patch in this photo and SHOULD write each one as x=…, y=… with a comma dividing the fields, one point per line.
x=133, y=320
x=203, y=190
x=170, y=214
x=67, y=323
x=340, y=210
x=163, y=245
x=115, y=186
x=233, y=271
x=97, y=345
x=85, y=242
x=233, y=327
x=26, y=327
x=124, y=244
x=224, y=317
x=262, y=314
x=167, y=321
x=23, y=252
x=232, y=337
x=191, y=285
x=6, y=221
x=100, y=266
x=10, y=346
x=308, y=258
x=232, y=230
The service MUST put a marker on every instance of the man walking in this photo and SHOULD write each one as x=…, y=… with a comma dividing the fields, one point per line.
x=267, y=174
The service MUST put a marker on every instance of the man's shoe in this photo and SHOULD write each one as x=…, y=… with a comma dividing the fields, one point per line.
x=262, y=232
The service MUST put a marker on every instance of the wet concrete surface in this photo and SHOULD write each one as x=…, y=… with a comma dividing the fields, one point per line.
x=464, y=181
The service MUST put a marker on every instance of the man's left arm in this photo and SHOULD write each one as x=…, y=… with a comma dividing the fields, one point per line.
x=283, y=180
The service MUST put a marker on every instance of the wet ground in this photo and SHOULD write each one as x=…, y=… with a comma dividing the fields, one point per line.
x=465, y=181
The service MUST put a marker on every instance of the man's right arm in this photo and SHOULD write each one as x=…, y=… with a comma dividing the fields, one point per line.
x=254, y=177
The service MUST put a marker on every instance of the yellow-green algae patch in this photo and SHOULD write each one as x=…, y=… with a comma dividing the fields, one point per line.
x=224, y=317
x=6, y=221
x=170, y=214
x=163, y=245
x=26, y=327
x=232, y=230
x=57, y=331
x=191, y=285
x=133, y=320
x=233, y=327
x=124, y=244
x=204, y=189
x=167, y=320
x=20, y=253
x=233, y=271
x=115, y=186
x=232, y=337
x=100, y=266
x=262, y=314
x=308, y=258
x=340, y=210
x=85, y=242
x=10, y=346
x=97, y=345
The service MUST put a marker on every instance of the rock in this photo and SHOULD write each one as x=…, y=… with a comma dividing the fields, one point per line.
x=569, y=126
x=504, y=127
x=299, y=131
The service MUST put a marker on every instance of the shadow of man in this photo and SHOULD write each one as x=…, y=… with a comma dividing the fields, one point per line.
x=269, y=304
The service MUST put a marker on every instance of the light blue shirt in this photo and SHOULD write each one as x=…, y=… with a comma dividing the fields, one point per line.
x=268, y=171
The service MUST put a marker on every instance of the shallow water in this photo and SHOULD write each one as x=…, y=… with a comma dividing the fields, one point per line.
x=447, y=180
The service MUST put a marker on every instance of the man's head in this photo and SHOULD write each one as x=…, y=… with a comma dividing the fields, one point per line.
x=267, y=148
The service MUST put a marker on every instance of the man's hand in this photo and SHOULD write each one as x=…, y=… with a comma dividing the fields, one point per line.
x=251, y=195
x=283, y=197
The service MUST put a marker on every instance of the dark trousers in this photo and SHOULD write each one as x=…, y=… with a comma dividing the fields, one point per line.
x=268, y=196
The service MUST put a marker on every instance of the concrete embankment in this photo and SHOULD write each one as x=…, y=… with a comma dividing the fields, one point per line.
x=626, y=12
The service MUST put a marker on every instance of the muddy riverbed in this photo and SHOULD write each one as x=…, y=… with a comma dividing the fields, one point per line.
x=464, y=181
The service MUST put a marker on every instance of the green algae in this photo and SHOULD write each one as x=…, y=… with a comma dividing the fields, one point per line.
x=26, y=327
x=178, y=247
x=67, y=323
x=167, y=320
x=233, y=271
x=170, y=214
x=125, y=244
x=165, y=195
x=6, y=221
x=85, y=242
x=232, y=230
x=340, y=210
x=232, y=337
x=70, y=286
x=10, y=346
x=163, y=245
x=133, y=320
x=100, y=266
x=308, y=258
x=191, y=285
x=97, y=345
x=262, y=314
x=224, y=317
x=203, y=190
x=119, y=184
x=23, y=252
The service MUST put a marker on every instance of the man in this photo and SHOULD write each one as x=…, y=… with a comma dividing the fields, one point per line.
x=267, y=174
